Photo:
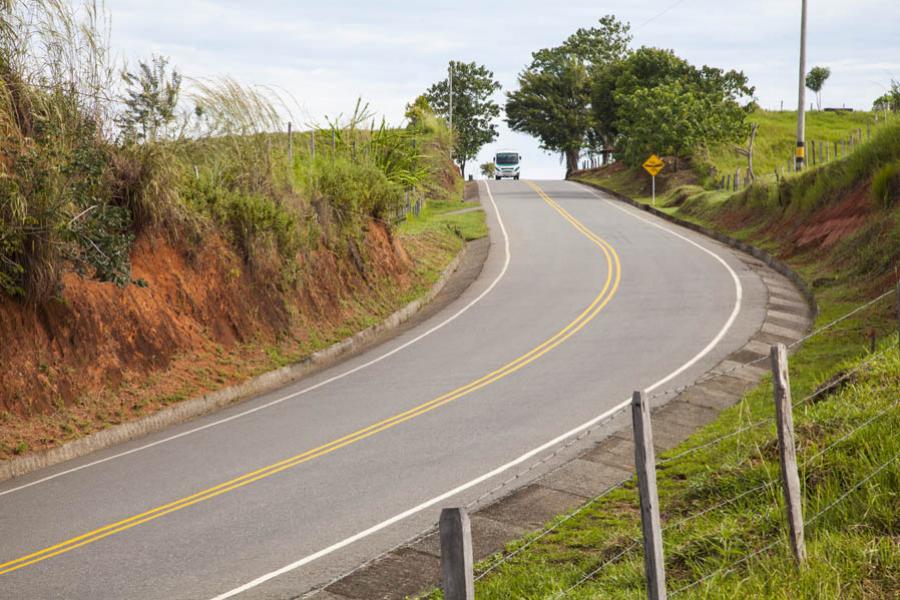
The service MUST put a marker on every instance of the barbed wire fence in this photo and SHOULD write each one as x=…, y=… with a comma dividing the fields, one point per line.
x=771, y=484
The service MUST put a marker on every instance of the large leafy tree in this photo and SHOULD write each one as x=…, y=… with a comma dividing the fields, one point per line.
x=654, y=101
x=553, y=102
x=474, y=110
x=550, y=105
x=643, y=68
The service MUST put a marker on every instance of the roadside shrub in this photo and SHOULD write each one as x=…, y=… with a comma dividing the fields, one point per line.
x=143, y=179
x=254, y=223
x=356, y=192
x=886, y=185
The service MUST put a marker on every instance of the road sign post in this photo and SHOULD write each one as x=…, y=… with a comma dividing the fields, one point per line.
x=653, y=165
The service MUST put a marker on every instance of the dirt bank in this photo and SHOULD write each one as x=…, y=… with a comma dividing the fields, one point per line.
x=101, y=354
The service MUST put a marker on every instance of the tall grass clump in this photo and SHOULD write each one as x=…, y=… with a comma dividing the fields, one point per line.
x=87, y=166
x=54, y=124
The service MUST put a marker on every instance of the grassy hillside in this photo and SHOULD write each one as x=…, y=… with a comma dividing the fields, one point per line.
x=773, y=148
x=776, y=138
x=721, y=502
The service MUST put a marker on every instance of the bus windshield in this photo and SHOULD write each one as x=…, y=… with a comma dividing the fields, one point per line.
x=507, y=158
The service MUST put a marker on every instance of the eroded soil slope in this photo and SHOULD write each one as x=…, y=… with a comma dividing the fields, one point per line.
x=101, y=354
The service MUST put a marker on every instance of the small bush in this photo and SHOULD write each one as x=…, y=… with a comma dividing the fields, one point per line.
x=144, y=179
x=356, y=192
x=254, y=223
x=886, y=185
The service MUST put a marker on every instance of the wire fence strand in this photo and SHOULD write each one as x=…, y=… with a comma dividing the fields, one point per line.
x=810, y=397
x=550, y=529
x=838, y=500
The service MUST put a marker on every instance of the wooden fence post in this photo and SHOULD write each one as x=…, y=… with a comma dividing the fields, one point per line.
x=898, y=310
x=645, y=461
x=290, y=145
x=456, y=555
x=785, y=424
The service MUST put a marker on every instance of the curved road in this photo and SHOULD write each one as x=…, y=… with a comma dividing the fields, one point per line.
x=582, y=299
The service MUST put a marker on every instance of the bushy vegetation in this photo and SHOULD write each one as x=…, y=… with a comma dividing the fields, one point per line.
x=813, y=188
x=594, y=94
x=87, y=165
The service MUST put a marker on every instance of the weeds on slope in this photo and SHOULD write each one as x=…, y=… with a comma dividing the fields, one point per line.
x=87, y=165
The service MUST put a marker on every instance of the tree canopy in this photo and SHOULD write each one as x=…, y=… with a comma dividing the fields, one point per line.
x=553, y=102
x=653, y=101
x=150, y=100
x=474, y=110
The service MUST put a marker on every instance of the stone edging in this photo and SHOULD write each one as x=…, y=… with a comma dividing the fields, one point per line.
x=189, y=409
x=762, y=255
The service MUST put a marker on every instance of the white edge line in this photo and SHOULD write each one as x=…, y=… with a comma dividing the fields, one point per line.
x=738, y=288
x=292, y=395
x=429, y=503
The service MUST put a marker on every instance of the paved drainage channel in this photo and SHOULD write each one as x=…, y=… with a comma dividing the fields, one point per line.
x=415, y=567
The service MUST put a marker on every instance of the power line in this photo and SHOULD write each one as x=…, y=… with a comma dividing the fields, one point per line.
x=659, y=14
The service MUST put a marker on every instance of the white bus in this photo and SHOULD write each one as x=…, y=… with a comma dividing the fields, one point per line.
x=506, y=163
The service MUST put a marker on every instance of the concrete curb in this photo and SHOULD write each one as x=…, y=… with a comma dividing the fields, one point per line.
x=762, y=255
x=189, y=409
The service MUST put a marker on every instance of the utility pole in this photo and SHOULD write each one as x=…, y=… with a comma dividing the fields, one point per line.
x=450, y=69
x=801, y=108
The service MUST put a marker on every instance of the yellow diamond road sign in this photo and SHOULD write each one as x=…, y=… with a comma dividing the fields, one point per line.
x=654, y=165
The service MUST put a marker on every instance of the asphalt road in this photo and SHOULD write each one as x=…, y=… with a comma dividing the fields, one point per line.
x=581, y=301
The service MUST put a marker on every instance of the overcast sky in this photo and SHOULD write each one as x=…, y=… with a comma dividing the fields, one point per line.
x=326, y=54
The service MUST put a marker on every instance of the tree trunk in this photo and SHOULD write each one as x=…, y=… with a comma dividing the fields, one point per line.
x=753, y=129
x=571, y=161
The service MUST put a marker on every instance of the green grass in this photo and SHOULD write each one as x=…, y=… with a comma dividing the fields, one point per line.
x=437, y=216
x=777, y=135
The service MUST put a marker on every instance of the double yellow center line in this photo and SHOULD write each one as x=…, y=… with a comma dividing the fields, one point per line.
x=600, y=301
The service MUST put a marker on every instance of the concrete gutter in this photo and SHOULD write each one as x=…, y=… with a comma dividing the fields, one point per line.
x=189, y=409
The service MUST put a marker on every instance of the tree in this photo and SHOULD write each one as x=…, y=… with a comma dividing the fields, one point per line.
x=692, y=107
x=150, y=101
x=679, y=116
x=815, y=81
x=488, y=169
x=890, y=101
x=473, y=109
x=660, y=120
x=643, y=68
x=553, y=101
